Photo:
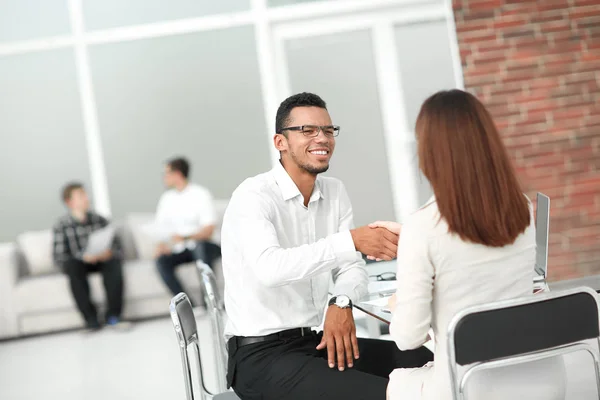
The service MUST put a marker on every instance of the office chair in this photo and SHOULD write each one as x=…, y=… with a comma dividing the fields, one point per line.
x=186, y=330
x=522, y=330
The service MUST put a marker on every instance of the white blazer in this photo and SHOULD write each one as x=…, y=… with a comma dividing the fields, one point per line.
x=438, y=275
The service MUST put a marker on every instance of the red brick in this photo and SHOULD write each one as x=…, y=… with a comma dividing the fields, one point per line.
x=530, y=127
x=485, y=47
x=531, y=96
x=490, y=57
x=582, y=12
x=518, y=33
x=555, y=15
x=523, y=43
x=471, y=26
x=483, y=14
x=588, y=22
x=566, y=113
x=590, y=56
x=555, y=26
x=478, y=37
x=480, y=80
x=543, y=83
x=573, y=101
x=475, y=5
x=509, y=23
x=546, y=5
x=582, y=3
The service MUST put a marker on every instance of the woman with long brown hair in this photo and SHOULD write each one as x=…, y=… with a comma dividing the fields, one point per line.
x=472, y=243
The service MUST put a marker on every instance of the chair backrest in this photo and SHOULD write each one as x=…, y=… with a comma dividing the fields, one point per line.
x=534, y=326
x=184, y=322
x=214, y=307
x=182, y=315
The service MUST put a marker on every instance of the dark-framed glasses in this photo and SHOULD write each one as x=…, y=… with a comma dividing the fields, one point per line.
x=313, y=130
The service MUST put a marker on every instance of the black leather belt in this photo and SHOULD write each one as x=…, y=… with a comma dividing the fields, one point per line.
x=239, y=341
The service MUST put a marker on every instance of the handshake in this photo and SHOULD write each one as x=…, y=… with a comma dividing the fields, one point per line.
x=378, y=241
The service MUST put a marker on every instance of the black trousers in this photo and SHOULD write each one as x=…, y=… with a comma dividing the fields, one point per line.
x=112, y=277
x=294, y=370
x=166, y=264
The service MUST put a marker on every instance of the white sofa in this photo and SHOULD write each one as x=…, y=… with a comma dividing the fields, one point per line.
x=35, y=296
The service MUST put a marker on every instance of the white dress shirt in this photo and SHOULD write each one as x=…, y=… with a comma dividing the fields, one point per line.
x=439, y=275
x=279, y=256
x=185, y=213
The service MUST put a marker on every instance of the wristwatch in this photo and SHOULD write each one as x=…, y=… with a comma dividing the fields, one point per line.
x=342, y=301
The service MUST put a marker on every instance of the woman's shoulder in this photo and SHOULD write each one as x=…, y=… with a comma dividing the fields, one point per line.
x=425, y=219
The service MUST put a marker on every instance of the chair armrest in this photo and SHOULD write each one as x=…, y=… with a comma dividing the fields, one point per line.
x=9, y=271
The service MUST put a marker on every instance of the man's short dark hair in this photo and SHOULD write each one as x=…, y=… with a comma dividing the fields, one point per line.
x=298, y=100
x=69, y=188
x=180, y=164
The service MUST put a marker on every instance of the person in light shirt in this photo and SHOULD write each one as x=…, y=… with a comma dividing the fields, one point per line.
x=187, y=213
x=286, y=235
x=470, y=244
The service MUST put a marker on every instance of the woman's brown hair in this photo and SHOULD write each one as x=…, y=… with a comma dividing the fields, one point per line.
x=462, y=155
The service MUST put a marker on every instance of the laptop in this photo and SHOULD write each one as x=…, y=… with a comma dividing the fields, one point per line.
x=542, y=229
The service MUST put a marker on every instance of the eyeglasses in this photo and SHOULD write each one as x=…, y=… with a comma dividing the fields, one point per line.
x=313, y=130
x=386, y=276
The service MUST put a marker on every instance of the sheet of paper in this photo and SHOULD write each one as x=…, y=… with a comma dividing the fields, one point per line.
x=382, y=286
x=378, y=302
x=101, y=240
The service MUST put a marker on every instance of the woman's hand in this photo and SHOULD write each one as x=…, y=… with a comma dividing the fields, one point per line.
x=391, y=226
x=392, y=303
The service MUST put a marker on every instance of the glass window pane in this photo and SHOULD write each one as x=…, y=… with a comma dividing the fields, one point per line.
x=196, y=95
x=43, y=143
x=101, y=14
x=348, y=85
x=31, y=19
x=423, y=72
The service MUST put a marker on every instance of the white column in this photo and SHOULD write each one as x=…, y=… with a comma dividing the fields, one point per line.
x=396, y=132
x=266, y=67
x=90, y=115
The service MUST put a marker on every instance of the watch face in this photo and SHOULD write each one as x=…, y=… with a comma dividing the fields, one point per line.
x=342, y=301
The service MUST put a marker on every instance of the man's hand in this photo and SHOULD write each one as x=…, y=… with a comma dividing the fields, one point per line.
x=339, y=336
x=89, y=259
x=391, y=226
x=162, y=249
x=379, y=243
x=105, y=256
x=177, y=239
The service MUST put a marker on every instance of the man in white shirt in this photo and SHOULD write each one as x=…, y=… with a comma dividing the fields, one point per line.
x=286, y=234
x=186, y=213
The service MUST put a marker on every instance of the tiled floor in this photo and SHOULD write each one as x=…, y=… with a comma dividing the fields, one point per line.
x=143, y=363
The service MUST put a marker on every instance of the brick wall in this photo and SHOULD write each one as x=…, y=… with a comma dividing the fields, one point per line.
x=536, y=65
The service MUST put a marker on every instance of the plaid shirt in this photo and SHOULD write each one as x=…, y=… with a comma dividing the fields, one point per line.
x=71, y=237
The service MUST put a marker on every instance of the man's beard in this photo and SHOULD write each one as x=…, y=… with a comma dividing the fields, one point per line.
x=307, y=167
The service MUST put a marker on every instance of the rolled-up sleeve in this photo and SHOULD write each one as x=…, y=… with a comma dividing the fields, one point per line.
x=415, y=273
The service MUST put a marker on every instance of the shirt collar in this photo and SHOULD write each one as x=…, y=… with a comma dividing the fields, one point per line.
x=288, y=188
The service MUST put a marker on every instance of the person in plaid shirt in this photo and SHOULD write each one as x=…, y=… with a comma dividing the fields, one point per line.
x=71, y=234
